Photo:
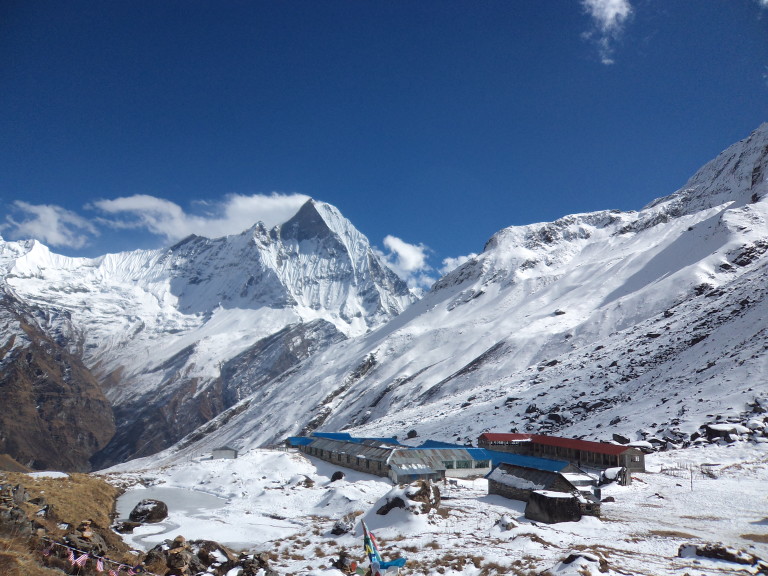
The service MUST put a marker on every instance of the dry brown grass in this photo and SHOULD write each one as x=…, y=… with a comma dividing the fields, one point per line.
x=73, y=499
x=9, y=464
x=17, y=560
x=671, y=534
x=761, y=538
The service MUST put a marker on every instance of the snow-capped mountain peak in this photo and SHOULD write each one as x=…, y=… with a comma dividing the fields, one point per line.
x=574, y=325
x=165, y=323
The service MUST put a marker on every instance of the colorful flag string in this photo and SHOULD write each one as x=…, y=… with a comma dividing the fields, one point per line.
x=118, y=569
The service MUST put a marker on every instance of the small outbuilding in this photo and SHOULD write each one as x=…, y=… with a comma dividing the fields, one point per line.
x=226, y=452
x=552, y=507
x=518, y=482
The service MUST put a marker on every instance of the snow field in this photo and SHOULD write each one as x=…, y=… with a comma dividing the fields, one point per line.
x=284, y=503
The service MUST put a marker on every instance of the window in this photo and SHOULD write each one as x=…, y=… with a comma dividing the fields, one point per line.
x=482, y=464
x=448, y=464
x=463, y=464
x=635, y=459
x=348, y=458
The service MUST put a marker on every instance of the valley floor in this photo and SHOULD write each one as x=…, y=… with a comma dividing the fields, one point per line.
x=284, y=503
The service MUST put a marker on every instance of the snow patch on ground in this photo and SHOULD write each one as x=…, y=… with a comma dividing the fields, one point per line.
x=285, y=503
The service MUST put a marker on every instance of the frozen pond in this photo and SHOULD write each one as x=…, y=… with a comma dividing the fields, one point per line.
x=183, y=506
x=179, y=500
x=198, y=515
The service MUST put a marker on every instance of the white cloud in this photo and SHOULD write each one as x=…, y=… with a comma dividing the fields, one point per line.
x=52, y=225
x=410, y=257
x=450, y=264
x=230, y=216
x=409, y=261
x=609, y=17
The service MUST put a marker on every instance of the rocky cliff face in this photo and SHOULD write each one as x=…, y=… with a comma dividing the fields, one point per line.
x=55, y=415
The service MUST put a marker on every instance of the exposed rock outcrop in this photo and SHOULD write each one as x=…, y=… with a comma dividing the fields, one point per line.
x=55, y=414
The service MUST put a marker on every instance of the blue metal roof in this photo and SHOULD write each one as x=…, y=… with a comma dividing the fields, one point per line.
x=382, y=440
x=333, y=435
x=299, y=441
x=437, y=444
x=347, y=437
x=497, y=458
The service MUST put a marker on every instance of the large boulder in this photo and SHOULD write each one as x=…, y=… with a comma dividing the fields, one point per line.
x=149, y=511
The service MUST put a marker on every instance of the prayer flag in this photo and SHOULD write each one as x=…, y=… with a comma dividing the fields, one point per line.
x=81, y=561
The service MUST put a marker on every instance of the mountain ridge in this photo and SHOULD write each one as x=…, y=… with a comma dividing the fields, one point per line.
x=632, y=300
x=647, y=323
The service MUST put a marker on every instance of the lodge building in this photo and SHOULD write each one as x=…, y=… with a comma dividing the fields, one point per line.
x=582, y=453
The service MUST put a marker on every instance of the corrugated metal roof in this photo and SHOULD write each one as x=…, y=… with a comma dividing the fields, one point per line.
x=497, y=457
x=349, y=438
x=438, y=444
x=375, y=451
x=299, y=441
x=432, y=457
x=333, y=435
x=572, y=443
x=391, y=441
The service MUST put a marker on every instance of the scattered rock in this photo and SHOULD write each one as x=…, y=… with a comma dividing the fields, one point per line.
x=126, y=527
x=180, y=557
x=717, y=551
x=344, y=563
x=506, y=522
x=620, y=439
x=343, y=526
x=418, y=498
x=582, y=563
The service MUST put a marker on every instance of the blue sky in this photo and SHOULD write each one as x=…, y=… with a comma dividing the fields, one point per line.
x=430, y=124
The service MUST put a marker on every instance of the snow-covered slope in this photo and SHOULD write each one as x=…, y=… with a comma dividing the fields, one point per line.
x=156, y=327
x=646, y=323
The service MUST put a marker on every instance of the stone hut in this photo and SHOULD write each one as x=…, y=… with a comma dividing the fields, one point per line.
x=551, y=507
x=518, y=482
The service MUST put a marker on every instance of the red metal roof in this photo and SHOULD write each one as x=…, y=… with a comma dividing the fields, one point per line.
x=505, y=437
x=573, y=444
